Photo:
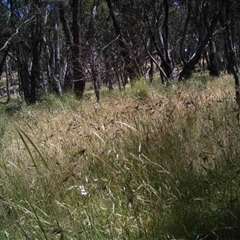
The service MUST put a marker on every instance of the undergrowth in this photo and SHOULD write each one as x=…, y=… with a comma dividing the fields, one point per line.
x=164, y=166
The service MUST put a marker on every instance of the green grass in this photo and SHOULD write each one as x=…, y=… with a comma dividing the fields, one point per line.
x=141, y=89
x=165, y=166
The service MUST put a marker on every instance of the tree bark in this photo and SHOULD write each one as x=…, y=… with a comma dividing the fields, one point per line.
x=163, y=47
x=24, y=76
x=78, y=76
x=213, y=61
x=3, y=61
x=184, y=33
x=8, y=75
x=56, y=54
x=231, y=57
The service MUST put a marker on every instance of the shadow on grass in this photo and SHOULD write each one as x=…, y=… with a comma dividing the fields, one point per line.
x=11, y=107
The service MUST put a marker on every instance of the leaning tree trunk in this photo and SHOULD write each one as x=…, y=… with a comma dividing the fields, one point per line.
x=188, y=67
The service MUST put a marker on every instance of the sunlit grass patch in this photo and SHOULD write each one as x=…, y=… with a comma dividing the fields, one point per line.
x=141, y=89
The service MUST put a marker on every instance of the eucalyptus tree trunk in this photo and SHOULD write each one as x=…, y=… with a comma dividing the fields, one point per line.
x=161, y=40
x=213, y=60
x=232, y=64
x=166, y=62
x=3, y=61
x=30, y=54
x=67, y=74
x=78, y=76
x=94, y=53
x=36, y=77
x=29, y=68
x=8, y=78
x=56, y=78
x=24, y=65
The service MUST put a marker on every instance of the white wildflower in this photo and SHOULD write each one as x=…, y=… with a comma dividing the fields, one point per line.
x=82, y=190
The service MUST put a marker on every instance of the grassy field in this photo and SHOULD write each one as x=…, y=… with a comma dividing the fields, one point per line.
x=151, y=162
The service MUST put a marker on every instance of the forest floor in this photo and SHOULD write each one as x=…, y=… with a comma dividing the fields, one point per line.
x=151, y=162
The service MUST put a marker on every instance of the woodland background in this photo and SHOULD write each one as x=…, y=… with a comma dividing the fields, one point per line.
x=50, y=46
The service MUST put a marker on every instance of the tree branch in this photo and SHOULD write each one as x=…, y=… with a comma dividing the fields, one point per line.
x=14, y=34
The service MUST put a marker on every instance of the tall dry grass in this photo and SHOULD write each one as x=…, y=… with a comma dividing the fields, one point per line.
x=151, y=163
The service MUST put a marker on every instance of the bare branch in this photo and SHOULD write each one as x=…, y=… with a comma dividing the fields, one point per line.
x=14, y=34
x=159, y=67
x=110, y=43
